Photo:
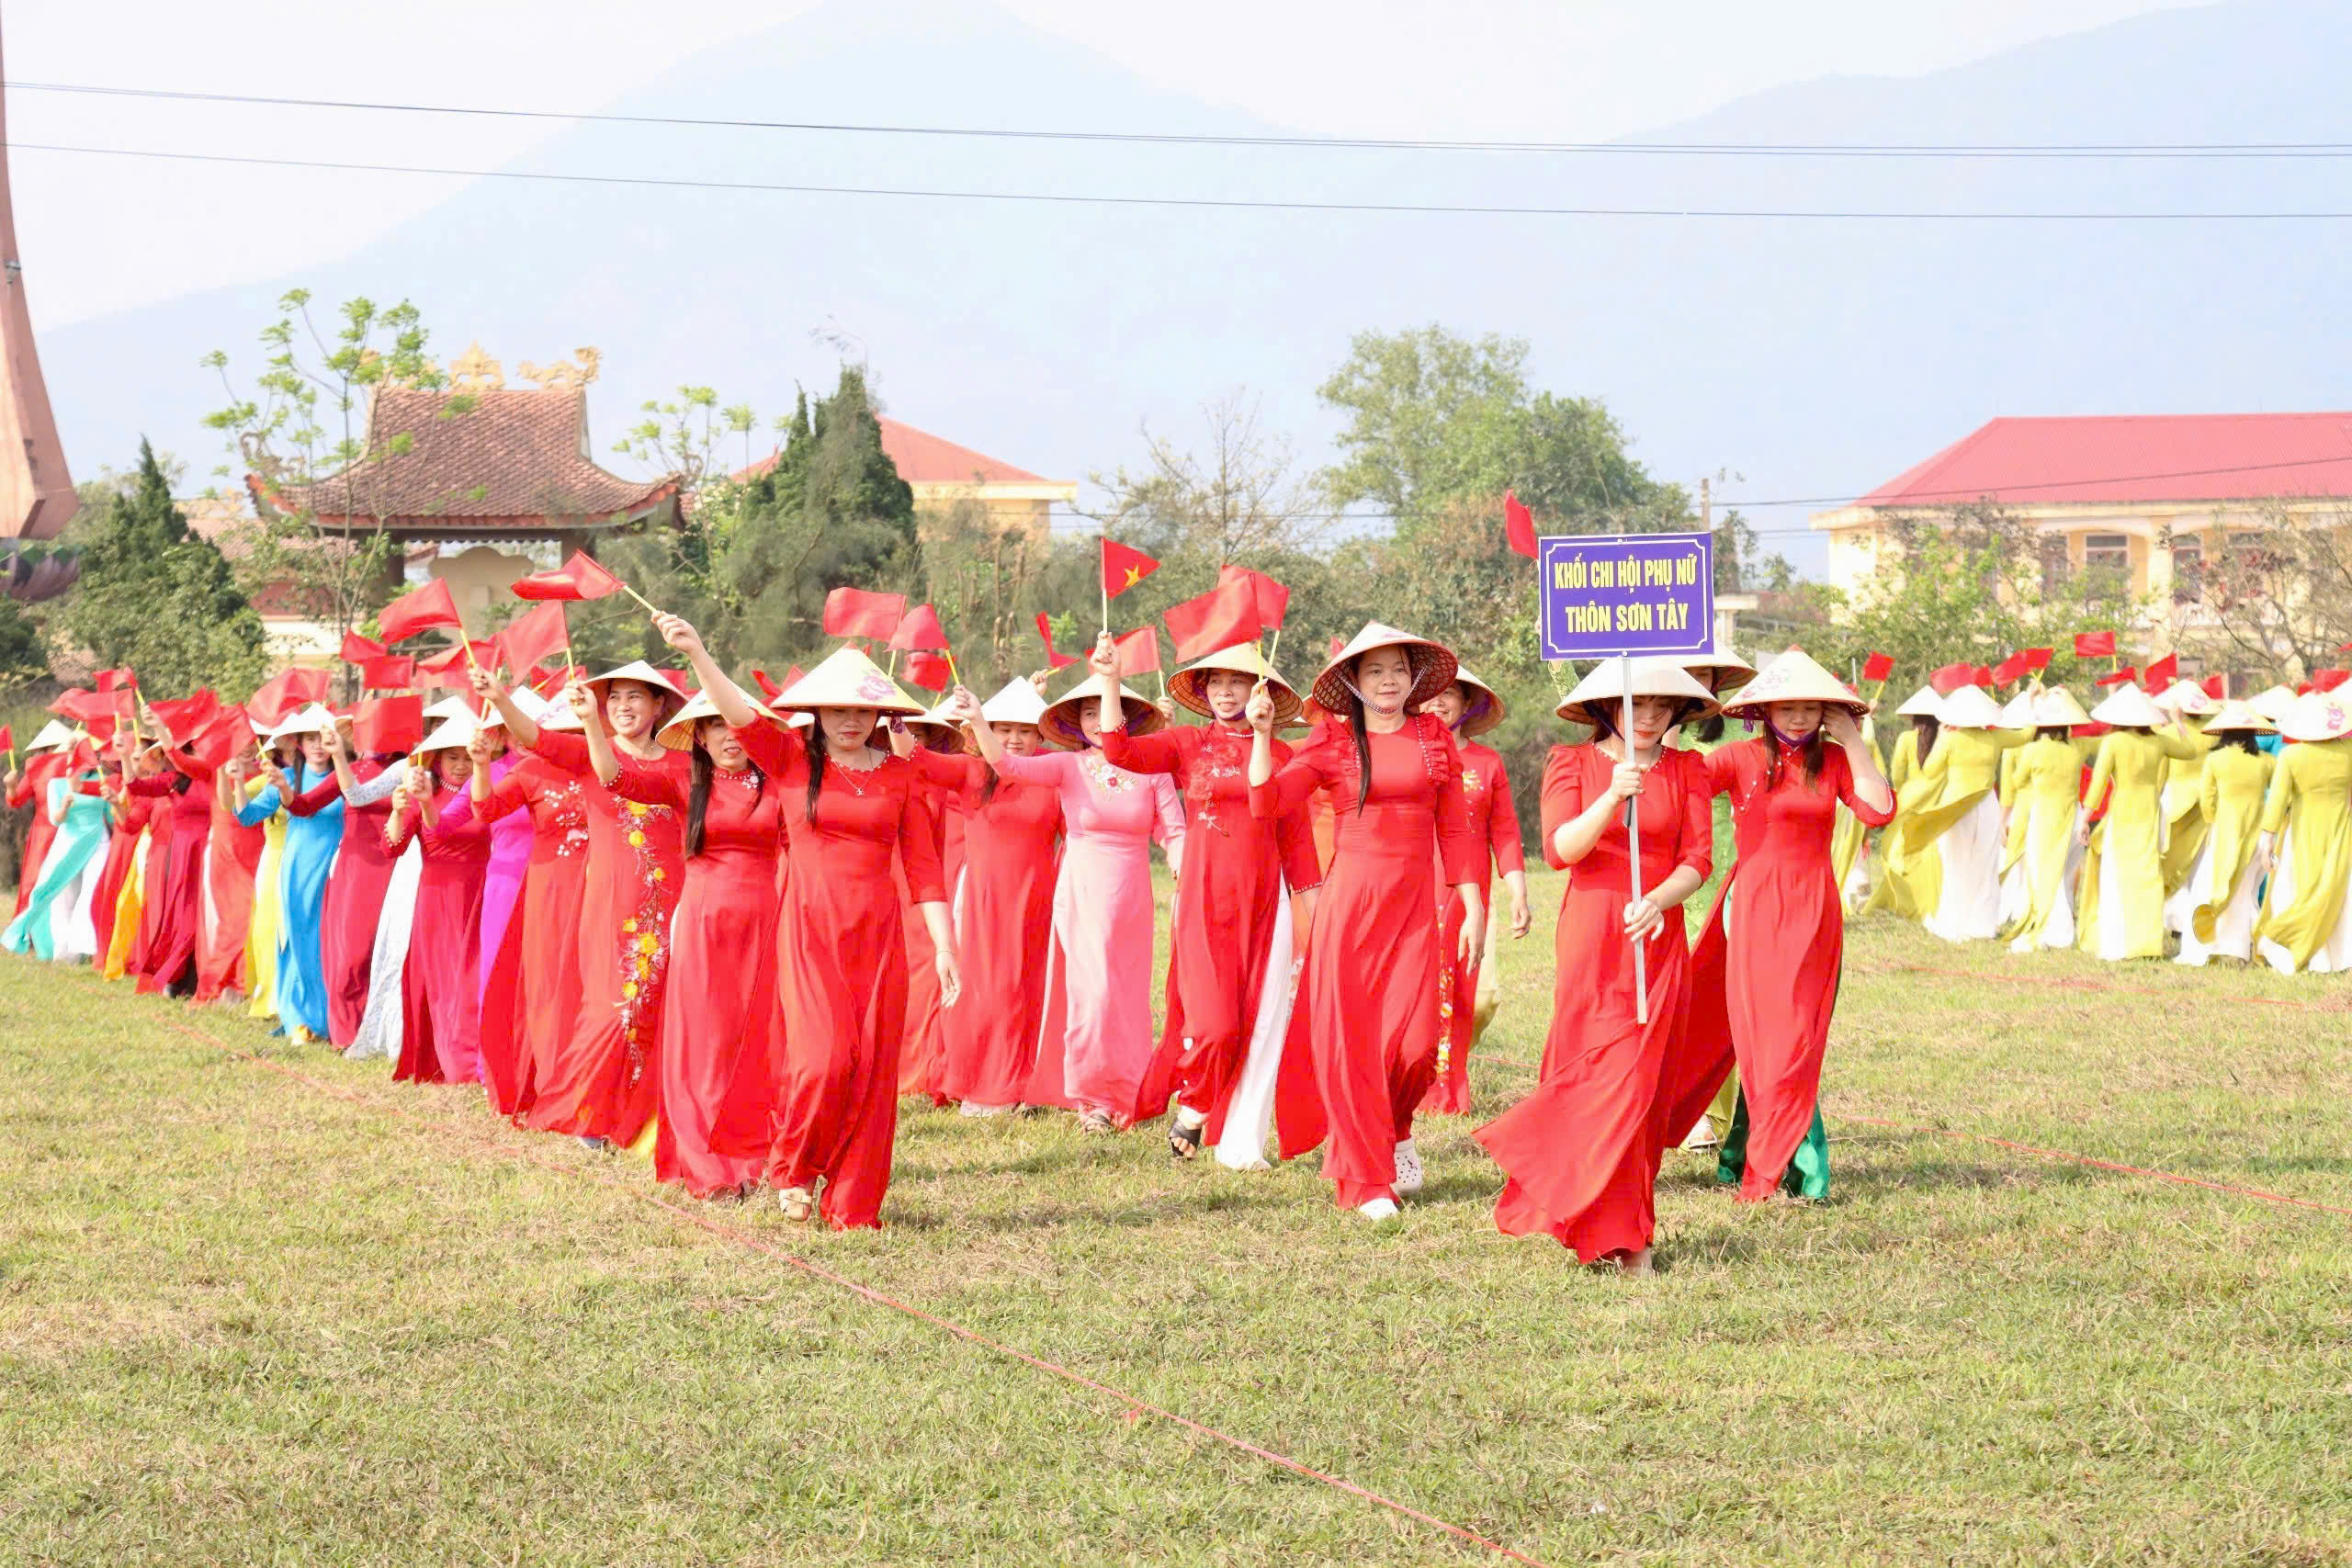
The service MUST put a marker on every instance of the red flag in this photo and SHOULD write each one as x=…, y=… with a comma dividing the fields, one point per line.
x=230, y=733
x=387, y=724
x=107, y=679
x=2037, y=659
x=82, y=707
x=358, y=650
x=2094, y=645
x=2328, y=680
x=1519, y=524
x=532, y=636
x=2217, y=686
x=2163, y=673
x=1983, y=675
x=419, y=610
x=1950, y=678
x=1138, y=652
x=393, y=672
x=919, y=628
x=929, y=671
x=1223, y=616
x=579, y=577
x=1045, y=633
x=768, y=688
x=1124, y=568
x=452, y=659
x=284, y=692
x=1878, y=667
x=2123, y=677
x=2008, y=670
x=853, y=611
x=7, y=737
x=1273, y=599
x=183, y=718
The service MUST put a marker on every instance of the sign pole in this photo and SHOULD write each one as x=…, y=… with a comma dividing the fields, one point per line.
x=1634, y=843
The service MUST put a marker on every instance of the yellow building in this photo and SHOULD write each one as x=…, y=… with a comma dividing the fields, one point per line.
x=2148, y=497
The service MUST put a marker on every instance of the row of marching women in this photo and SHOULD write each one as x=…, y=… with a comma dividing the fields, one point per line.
x=2174, y=823
x=652, y=909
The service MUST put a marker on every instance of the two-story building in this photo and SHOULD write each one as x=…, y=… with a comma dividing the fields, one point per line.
x=2149, y=497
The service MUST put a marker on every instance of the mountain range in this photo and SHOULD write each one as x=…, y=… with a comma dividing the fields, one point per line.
x=1812, y=357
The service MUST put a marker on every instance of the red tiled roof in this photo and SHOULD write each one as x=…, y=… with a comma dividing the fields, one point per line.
x=2135, y=458
x=517, y=459
x=921, y=457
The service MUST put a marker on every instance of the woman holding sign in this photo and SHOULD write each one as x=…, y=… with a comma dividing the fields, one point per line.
x=1373, y=966
x=1582, y=1151
x=1764, y=983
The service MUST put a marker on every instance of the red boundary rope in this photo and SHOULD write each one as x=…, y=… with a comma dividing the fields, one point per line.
x=759, y=1244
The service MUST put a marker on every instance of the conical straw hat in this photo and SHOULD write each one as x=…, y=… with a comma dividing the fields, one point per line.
x=2318, y=715
x=1968, y=707
x=1604, y=690
x=636, y=670
x=938, y=732
x=1188, y=687
x=1721, y=669
x=678, y=735
x=2273, y=704
x=55, y=735
x=536, y=708
x=1794, y=677
x=1058, y=723
x=1483, y=707
x=847, y=679
x=311, y=719
x=1433, y=667
x=2238, y=716
x=2128, y=707
x=2018, y=711
x=2185, y=697
x=449, y=735
x=450, y=708
x=1922, y=703
x=2057, y=709
x=1018, y=701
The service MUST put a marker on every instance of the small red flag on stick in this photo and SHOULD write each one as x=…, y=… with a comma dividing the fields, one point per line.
x=2094, y=645
x=1138, y=652
x=533, y=635
x=419, y=610
x=919, y=628
x=854, y=612
x=1045, y=634
x=387, y=724
x=579, y=577
x=1878, y=667
x=1223, y=616
x=1519, y=524
x=1273, y=599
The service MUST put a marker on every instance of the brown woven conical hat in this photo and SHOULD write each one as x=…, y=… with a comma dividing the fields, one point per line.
x=847, y=679
x=1793, y=676
x=1187, y=687
x=1060, y=725
x=938, y=732
x=1603, y=690
x=678, y=735
x=1433, y=666
x=1721, y=669
x=1484, y=707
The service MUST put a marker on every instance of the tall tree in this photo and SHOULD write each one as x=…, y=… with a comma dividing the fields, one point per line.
x=155, y=596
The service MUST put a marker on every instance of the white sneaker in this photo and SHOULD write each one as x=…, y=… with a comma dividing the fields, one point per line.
x=1409, y=1170
x=1702, y=1134
x=1378, y=1209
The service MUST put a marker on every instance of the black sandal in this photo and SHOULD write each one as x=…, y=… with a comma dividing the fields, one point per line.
x=1184, y=1142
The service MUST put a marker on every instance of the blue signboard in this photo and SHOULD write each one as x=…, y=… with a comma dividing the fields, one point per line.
x=1602, y=595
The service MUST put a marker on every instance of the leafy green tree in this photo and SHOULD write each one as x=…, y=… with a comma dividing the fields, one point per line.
x=752, y=559
x=154, y=596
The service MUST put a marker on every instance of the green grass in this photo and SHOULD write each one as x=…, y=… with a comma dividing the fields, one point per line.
x=241, y=1320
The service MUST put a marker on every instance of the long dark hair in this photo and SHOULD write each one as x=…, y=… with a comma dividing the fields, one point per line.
x=1364, y=750
x=2243, y=739
x=814, y=738
x=1809, y=749
x=698, y=794
x=1927, y=727
x=2053, y=732
x=181, y=784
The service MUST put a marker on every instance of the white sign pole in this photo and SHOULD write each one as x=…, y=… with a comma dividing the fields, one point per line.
x=1634, y=843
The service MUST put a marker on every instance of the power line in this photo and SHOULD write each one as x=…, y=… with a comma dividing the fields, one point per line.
x=2089, y=150
x=1215, y=203
x=1915, y=499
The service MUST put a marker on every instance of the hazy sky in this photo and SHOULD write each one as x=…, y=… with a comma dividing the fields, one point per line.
x=101, y=234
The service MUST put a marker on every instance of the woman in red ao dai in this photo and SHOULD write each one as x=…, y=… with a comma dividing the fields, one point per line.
x=1581, y=1152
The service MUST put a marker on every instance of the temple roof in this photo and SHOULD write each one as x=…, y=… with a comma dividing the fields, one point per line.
x=518, y=460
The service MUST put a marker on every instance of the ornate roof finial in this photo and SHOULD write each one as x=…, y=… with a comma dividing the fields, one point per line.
x=567, y=374
x=474, y=371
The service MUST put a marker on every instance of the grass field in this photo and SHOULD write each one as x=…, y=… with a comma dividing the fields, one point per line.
x=243, y=1319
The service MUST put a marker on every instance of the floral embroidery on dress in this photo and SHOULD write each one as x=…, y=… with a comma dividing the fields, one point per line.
x=1106, y=777
x=645, y=941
